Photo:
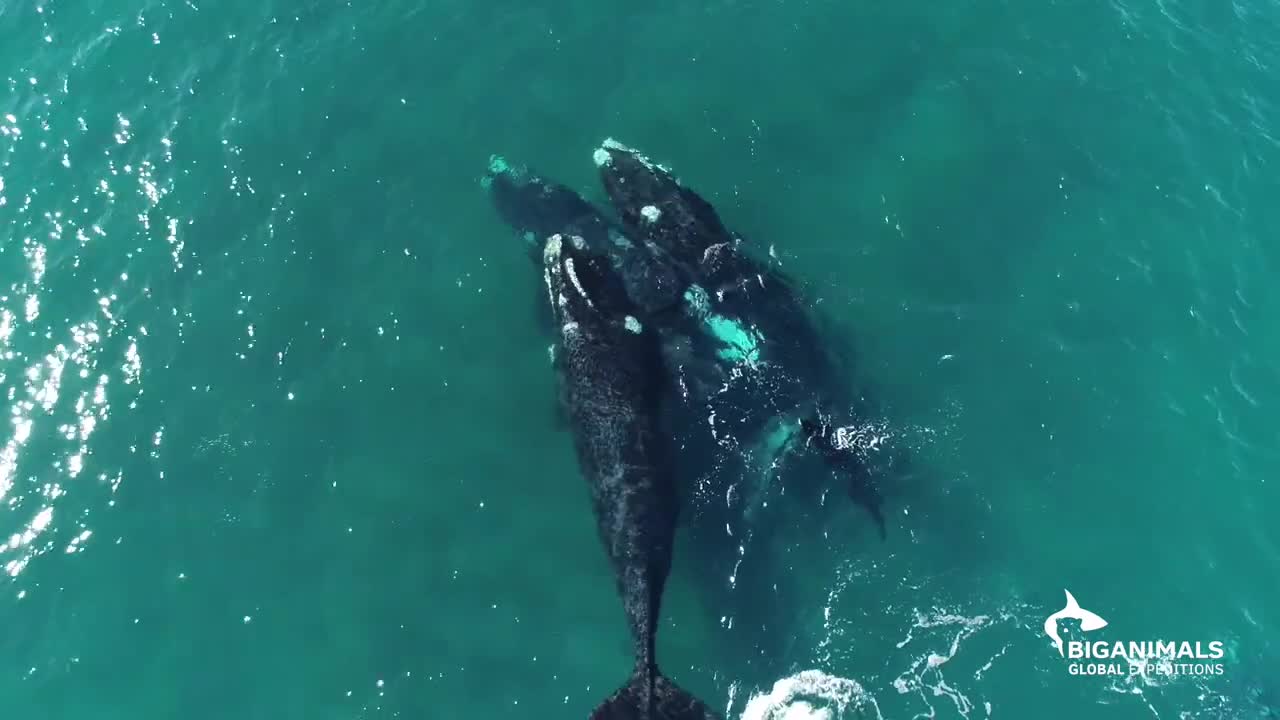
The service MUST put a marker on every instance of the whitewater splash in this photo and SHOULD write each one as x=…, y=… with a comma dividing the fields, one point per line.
x=812, y=695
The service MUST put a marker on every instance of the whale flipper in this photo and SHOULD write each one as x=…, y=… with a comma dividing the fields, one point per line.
x=667, y=701
x=844, y=459
x=558, y=410
x=864, y=493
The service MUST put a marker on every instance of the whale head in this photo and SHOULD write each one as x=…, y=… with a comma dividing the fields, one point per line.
x=538, y=208
x=652, y=203
x=1089, y=621
x=581, y=285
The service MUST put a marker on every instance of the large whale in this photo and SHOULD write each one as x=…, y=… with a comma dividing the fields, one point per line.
x=782, y=383
x=612, y=370
x=735, y=381
x=747, y=363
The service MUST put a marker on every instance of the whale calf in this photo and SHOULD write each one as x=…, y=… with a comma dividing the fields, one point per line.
x=612, y=370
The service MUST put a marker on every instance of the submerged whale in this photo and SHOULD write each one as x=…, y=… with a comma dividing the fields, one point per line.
x=537, y=208
x=612, y=371
x=779, y=378
x=743, y=364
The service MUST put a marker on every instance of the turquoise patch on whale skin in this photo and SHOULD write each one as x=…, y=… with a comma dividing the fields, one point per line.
x=699, y=303
x=742, y=343
x=780, y=438
x=498, y=165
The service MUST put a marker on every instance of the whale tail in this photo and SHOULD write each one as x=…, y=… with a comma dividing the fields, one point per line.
x=845, y=459
x=667, y=702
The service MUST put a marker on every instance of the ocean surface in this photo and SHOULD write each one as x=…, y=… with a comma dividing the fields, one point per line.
x=281, y=437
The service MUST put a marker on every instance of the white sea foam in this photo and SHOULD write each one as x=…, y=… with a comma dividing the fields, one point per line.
x=812, y=695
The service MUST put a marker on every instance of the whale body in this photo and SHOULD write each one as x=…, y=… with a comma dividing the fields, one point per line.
x=781, y=383
x=612, y=370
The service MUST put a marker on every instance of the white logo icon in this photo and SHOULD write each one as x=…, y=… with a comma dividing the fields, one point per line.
x=1088, y=621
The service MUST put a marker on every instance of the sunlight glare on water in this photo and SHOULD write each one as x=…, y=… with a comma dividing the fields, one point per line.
x=69, y=362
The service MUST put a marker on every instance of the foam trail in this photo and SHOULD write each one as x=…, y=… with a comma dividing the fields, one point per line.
x=812, y=695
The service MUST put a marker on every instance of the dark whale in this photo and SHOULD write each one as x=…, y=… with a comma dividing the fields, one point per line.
x=838, y=448
x=754, y=295
x=746, y=360
x=538, y=208
x=612, y=371
x=784, y=375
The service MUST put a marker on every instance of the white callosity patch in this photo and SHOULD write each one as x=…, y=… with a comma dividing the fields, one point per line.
x=498, y=165
x=602, y=157
x=611, y=144
x=546, y=279
x=552, y=249
x=650, y=213
x=573, y=278
x=578, y=242
x=550, y=255
x=633, y=324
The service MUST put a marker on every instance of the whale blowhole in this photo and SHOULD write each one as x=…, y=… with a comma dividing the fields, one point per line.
x=499, y=165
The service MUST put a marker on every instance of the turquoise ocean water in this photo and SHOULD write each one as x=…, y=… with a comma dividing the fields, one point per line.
x=281, y=440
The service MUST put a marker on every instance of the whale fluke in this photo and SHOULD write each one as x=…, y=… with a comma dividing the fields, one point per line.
x=663, y=700
x=844, y=459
